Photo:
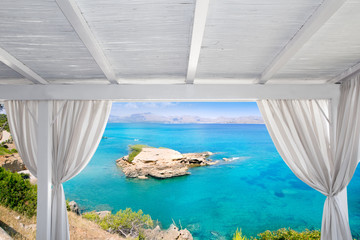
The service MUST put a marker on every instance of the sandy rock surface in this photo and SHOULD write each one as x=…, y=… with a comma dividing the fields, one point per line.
x=12, y=162
x=162, y=163
x=173, y=233
x=4, y=235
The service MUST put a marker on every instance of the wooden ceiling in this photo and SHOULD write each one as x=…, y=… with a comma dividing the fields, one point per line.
x=178, y=41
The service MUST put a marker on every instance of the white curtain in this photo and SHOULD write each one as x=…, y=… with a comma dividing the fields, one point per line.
x=77, y=128
x=22, y=117
x=302, y=133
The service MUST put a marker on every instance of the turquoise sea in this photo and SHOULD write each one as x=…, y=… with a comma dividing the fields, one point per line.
x=255, y=192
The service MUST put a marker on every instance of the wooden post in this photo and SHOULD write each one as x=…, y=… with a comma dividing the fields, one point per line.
x=44, y=157
x=335, y=100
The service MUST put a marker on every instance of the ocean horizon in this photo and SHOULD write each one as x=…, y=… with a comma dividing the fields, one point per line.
x=255, y=191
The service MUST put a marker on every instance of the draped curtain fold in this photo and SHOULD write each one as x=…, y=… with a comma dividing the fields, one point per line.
x=23, y=122
x=77, y=128
x=302, y=133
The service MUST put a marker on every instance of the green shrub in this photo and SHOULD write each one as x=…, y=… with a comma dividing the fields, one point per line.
x=3, y=121
x=17, y=193
x=25, y=175
x=239, y=236
x=4, y=149
x=67, y=205
x=281, y=234
x=289, y=234
x=141, y=236
x=135, y=150
x=92, y=216
x=126, y=223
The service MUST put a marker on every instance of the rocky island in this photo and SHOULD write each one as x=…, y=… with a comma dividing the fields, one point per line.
x=144, y=161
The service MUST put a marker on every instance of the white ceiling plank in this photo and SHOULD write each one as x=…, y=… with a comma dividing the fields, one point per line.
x=200, y=15
x=347, y=73
x=156, y=92
x=327, y=9
x=74, y=16
x=19, y=67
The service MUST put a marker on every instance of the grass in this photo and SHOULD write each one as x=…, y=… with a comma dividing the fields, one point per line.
x=21, y=227
x=135, y=150
x=126, y=223
x=4, y=150
x=13, y=223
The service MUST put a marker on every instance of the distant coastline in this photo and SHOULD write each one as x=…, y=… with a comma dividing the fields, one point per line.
x=188, y=119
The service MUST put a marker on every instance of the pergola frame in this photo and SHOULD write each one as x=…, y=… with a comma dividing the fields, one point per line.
x=188, y=89
x=45, y=93
x=166, y=92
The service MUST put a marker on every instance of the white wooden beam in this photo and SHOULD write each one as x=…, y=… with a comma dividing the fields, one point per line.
x=74, y=16
x=156, y=92
x=347, y=73
x=324, y=12
x=43, y=222
x=200, y=15
x=20, y=68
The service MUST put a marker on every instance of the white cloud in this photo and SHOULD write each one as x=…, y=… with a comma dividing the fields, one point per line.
x=138, y=105
x=131, y=105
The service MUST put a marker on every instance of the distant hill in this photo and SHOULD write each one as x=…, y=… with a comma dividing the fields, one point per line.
x=153, y=118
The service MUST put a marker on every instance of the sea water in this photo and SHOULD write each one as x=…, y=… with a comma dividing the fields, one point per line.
x=254, y=191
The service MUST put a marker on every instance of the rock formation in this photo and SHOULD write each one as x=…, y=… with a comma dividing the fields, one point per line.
x=12, y=162
x=32, y=178
x=74, y=207
x=173, y=233
x=103, y=214
x=4, y=235
x=162, y=163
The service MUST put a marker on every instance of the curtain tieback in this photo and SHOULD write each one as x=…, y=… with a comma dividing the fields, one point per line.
x=331, y=195
x=56, y=185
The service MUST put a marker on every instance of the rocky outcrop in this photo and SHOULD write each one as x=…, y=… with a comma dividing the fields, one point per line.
x=103, y=214
x=12, y=162
x=4, y=235
x=32, y=178
x=74, y=207
x=5, y=136
x=162, y=163
x=173, y=233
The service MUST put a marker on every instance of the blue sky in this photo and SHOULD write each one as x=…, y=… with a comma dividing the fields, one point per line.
x=201, y=109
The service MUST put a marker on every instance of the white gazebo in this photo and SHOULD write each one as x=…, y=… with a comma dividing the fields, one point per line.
x=62, y=62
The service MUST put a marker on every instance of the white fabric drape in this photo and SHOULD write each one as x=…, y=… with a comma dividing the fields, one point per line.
x=301, y=131
x=22, y=117
x=77, y=128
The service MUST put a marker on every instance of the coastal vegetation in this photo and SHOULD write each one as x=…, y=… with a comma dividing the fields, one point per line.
x=4, y=123
x=135, y=150
x=126, y=223
x=281, y=234
x=17, y=193
x=239, y=236
x=21, y=227
x=4, y=150
x=4, y=126
x=289, y=234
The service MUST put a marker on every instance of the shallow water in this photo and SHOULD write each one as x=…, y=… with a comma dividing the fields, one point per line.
x=255, y=192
